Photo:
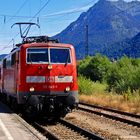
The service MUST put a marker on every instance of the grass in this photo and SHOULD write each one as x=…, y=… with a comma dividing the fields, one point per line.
x=88, y=87
x=114, y=101
x=95, y=93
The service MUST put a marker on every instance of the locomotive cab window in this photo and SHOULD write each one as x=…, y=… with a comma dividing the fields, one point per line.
x=60, y=55
x=13, y=59
x=37, y=55
x=51, y=55
x=8, y=62
x=4, y=63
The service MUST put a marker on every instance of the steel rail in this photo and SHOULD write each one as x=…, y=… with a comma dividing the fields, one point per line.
x=45, y=132
x=82, y=131
x=121, y=119
x=111, y=110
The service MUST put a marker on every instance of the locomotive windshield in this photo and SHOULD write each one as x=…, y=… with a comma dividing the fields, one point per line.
x=51, y=55
x=59, y=55
x=35, y=55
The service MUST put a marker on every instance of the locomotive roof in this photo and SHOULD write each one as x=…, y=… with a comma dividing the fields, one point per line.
x=43, y=44
x=48, y=44
x=38, y=39
x=41, y=41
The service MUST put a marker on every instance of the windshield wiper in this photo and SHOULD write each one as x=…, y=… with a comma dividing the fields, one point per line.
x=68, y=57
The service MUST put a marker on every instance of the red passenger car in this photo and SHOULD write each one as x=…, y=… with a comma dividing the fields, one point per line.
x=40, y=75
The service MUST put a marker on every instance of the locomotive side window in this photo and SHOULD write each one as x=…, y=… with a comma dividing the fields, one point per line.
x=60, y=55
x=4, y=63
x=13, y=59
x=8, y=62
x=35, y=55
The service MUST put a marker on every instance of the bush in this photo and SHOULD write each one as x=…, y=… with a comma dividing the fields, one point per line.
x=82, y=67
x=98, y=68
x=123, y=75
x=95, y=67
x=88, y=87
x=136, y=79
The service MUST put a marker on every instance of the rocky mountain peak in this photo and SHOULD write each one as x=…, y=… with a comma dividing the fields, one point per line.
x=108, y=22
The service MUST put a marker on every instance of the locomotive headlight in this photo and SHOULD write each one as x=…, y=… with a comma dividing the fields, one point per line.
x=49, y=66
x=67, y=89
x=32, y=89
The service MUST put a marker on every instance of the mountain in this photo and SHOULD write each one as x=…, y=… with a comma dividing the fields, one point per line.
x=128, y=47
x=108, y=22
x=2, y=56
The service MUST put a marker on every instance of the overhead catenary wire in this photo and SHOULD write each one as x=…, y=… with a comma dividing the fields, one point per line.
x=40, y=10
x=12, y=16
x=70, y=12
x=33, y=17
x=79, y=9
x=37, y=13
x=61, y=13
x=20, y=8
x=6, y=46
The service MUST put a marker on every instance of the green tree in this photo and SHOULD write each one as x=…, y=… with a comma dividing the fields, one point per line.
x=98, y=68
x=82, y=66
x=122, y=75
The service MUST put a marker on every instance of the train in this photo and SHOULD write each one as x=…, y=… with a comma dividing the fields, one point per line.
x=39, y=76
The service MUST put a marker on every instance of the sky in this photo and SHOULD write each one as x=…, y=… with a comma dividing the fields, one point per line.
x=52, y=15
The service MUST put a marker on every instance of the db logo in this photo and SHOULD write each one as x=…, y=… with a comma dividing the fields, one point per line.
x=50, y=79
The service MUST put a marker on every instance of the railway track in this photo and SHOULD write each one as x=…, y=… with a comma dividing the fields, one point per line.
x=44, y=131
x=64, y=130
x=121, y=116
x=56, y=131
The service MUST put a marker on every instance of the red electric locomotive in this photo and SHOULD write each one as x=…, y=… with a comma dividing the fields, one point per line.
x=40, y=75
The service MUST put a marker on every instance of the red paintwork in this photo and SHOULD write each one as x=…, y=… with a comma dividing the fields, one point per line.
x=14, y=78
